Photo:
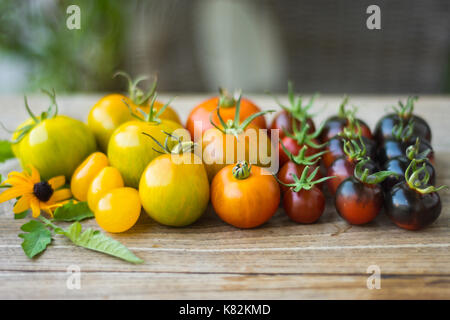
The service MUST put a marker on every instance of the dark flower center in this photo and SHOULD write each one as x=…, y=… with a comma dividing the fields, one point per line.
x=43, y=191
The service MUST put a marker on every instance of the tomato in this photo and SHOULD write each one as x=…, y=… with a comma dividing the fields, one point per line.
x=414, y=203
x=175, y=193
x=55, y=145
x=296, y=113
x=130, y=151
x=303, y=201
x=296, y=165
x=345, y=118
x=85, y=173
x=291, y=144
x=199, y=118
x=107, y=179
x=118, y=210
x=111, y=111
x=403, y=114
x=359, y=198
x=245, y=196
x=234, y=142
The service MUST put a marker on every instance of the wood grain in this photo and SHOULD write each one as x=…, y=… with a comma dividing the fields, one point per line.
x=280, y=260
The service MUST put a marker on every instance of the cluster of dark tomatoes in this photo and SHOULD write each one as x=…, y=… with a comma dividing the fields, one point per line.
x=365, y=171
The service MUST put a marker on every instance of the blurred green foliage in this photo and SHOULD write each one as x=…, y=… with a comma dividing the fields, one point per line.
x=56, y=57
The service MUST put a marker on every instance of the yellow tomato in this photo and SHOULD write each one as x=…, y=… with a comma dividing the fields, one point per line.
x=85, y=173
x=175, y=193
x=107, y=179
x=106, y=115
x=110, y=112
x=118, y=210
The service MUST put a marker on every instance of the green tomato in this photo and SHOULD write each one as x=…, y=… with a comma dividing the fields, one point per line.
x=175, y=193
x=130, y=151
x=56, y=146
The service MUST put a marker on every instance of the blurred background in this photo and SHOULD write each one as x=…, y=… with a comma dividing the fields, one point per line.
x=198, y=45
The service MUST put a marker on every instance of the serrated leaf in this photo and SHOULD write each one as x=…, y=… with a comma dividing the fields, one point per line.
x=97, y=241
x=37, y=238
x=73, y=212
x=5, y=151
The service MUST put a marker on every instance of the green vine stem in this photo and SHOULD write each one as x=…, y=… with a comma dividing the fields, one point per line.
x=242, y=170
x=235, y=127
x=136, y=94
x=363, y=174
x=304, y=182
x=412, y=177
x=152, y=115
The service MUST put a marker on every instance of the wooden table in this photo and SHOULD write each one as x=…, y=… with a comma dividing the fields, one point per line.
x=212, y=260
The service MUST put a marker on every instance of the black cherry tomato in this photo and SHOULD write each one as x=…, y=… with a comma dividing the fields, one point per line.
x=413, y=204
x=403, y=113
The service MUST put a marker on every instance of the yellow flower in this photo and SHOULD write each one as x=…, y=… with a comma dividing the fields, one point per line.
x=34, y=193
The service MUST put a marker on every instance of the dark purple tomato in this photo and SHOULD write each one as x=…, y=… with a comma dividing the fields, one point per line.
x=335, y=148
x=283, y=120
x=358, y=202
x=342, y=168
x=392, y=148
x=383, y=128
x=399, y=165
x=336, y=124
x=410, y=209
x=304, y=206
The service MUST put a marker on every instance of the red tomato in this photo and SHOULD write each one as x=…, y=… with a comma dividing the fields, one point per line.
x=304, y=206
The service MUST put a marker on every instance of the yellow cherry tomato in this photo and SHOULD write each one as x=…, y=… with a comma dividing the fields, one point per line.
x=85, y=173
x=118, y=210
x=109, y=178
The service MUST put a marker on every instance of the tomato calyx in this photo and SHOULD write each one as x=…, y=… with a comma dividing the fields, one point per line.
x=354, y=150
x=412, y=152
x=235, y=127
x=136, y=94
x=343, y=112
x=412, y=177
x=298, y=111
x=180, y=148
x=404, y=111
x=353, y=129
x=242, y=170
x=305, y=182
x=363, y=175
x=302, y=137
x=151, y=116
x=51, y=112
x=300, y=158
x=403, y=133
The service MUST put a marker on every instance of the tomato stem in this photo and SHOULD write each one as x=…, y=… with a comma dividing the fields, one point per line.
x=362, y=174
x=242, y=170
x=412, y=177
x=304, y=182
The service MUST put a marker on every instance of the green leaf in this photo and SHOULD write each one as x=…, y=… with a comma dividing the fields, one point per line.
x=5, y=151
x=73, y=212
x=97, y=241
x=21, y=215
x=37, y=238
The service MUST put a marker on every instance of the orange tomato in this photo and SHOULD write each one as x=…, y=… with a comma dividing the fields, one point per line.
x=201, y=114
x=244, y=196
x=85, y=173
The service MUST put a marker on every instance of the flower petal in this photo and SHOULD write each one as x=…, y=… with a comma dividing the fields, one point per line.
x=57, y=182
x=35, y=177
x=35, y=207
x=60, y=195
x=22, y=204
x=15, y=192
